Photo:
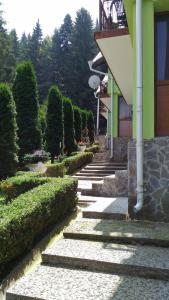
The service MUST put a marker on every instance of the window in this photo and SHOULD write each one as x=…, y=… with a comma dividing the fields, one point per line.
x=162, y=47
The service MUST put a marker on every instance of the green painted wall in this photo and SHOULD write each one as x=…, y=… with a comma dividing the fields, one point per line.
x=148, y=70
x=116, y=94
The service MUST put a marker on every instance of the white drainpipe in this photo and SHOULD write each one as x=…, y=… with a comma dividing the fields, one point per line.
x=139, y=146
x=112, y=96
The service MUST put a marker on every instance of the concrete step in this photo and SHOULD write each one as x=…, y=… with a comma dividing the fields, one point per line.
x=57, y=283
x=144, y=261
x=89, y=178
x=103, y=163
x=108, y=208
x=102, y=167
x=148, y=233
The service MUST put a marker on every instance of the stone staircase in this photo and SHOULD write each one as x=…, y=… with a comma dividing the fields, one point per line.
x=103, y=255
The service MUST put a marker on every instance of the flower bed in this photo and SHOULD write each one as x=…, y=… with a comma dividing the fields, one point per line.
x=31, y=213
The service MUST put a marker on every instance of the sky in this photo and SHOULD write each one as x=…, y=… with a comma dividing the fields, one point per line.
x=23, y=14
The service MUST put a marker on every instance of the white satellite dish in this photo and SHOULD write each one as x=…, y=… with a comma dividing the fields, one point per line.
x=94, y=82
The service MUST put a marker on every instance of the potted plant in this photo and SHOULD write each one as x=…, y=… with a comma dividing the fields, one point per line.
x=81, y=146
x=35, y=161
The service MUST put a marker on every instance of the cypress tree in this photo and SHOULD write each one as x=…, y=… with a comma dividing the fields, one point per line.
x=84, y=118
x=54, y=120
x=77, y=123
x=26, y=98
x=8, y=133
x=90, y=126
x=69, y=136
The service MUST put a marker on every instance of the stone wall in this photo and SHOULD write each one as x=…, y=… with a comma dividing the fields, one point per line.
x=156, y=179
x=120, y=148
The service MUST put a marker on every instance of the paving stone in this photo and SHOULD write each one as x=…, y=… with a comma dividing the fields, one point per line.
x=56, y=283
x=145, y=261
x=151, y=233
x=108, y=208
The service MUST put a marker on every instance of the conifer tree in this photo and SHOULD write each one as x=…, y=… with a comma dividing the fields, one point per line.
x=27, y=105
x=8, y=133
x=69, y=136
x=77, y=123
x=84, y=118
x=54, y=120
x=90, y=126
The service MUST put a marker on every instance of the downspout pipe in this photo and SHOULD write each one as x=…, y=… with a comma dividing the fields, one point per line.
x=90, y=62
x=112, y=101
x=139, y=95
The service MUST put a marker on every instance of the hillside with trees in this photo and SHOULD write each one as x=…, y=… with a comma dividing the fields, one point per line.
x=59, y=59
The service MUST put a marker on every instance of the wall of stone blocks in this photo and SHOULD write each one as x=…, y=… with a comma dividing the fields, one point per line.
x=120, y=148
x=156, y=179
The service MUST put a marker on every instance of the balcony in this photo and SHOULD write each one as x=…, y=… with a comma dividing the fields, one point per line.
x=111, y=15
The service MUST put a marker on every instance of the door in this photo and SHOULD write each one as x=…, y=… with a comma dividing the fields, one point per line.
x=162, y=74
x=125, y=118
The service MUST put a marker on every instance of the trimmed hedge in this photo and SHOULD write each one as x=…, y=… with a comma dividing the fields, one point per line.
x=56, y=170
x=76, y=162
x=15, y=186
x=93, y=149
x=31, y=213
x=69, y=165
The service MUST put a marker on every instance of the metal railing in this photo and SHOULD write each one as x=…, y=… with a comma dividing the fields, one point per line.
x=111, y=14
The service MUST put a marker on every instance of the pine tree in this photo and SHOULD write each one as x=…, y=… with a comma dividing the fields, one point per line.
x=7, y=61
x=27, y=105
x=77, y=123
x=90, y=126
x=8, y=133
x=14, y=44
x=35, y=46
x=84, y=49
x=24, y=48
x=69, y=136
x=54, y=130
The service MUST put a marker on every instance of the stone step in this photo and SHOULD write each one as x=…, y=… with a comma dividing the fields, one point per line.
x=57, y=283
x=89, y=199
x=89, y=178
x=108, y=208
x=94, y=174
x=144, y=261
x=106, y=163
x=142, y=232
x=96, y=171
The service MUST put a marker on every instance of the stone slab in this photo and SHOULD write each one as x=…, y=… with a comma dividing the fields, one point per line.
x=56, y=283
x=145, y=261
x=93, y=174
x=92, y=178
x=107, y=208
x=150, y=233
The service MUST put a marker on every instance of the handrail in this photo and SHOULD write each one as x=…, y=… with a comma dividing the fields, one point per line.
x=111, y=14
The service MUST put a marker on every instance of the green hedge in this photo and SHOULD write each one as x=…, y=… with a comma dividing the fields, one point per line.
x=15, y=186
x=69, y=165
x=93, y=149
x=76, y=162
x=31, y=213
x=56, y=170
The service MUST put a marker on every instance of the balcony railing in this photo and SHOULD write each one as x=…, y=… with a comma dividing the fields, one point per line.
x=111, y=14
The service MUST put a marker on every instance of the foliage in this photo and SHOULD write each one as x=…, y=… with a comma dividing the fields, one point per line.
x=69, y=138
x=93, y=149
x=69, y=165
x=7, y=59
x=17, y=185
x=56, y=170
x=54, y=130
x=8, y=133
x=90, y=126
x=26, y=99
x=77, y=123
x=37, y=156
x=84, y=118
x=74, y=163
x=31, y=213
